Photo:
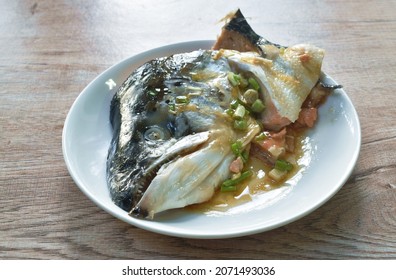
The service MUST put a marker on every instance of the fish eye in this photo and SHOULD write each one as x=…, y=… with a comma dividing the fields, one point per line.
x=156, y=133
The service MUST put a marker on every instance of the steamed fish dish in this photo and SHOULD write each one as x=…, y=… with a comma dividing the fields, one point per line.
x=188, y=125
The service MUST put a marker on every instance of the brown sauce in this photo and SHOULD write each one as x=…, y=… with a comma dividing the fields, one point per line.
x=260, y=182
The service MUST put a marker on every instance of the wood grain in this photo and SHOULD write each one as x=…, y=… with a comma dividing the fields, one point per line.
x=50, y=50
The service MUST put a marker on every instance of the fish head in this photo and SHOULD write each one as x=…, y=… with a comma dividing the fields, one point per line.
x=164, y=110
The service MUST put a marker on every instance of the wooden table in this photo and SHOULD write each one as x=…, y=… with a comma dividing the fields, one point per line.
x=50, y=50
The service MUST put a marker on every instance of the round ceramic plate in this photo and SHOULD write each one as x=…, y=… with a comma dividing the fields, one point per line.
x=332, y=149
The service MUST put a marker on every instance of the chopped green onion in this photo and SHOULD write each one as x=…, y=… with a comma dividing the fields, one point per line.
x=238, y=151
x=258, y=106
x=234, y=104
x=245, y=156
x=243, y=82
x=283, y=165
x=234, y=79
x=181, y=99
x=230, y=112
x=228, y=188
x=240, y=124
x=277, y=174
x=250, y=96
x=172, y=107
x=233, y=182
x=152, y=93
x=261, y=136
x=254, y=84
x=276, y=151
x=239, y=112
x=236, y=148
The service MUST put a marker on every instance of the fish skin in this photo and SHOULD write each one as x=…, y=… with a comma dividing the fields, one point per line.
x=238, y=35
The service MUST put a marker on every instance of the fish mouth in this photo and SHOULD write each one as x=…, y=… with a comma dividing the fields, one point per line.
x=184, y=146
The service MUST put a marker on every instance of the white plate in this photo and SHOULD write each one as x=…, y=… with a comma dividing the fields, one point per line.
x=334, y=147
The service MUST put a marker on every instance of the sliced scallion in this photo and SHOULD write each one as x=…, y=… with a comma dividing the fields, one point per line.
x=277, y=174
x=262, y=136
x=258, y=106
x=283, y=165
x=243, y=83
x=236, y=148
x=172, y=107
x=228, y=188
x=240, y=124
x=234, y=104
x=181, y=99
x=230, y=112
x=240, y=112
x=254, y=84
x=245, y=156
x=234, y=79
x=233, y=182
x=250, y=96
x=152, y=93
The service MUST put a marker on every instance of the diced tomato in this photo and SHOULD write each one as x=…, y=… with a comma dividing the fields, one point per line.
x=274, y=139
x=237, y=165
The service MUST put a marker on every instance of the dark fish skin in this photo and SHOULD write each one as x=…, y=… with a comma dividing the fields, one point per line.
x=237, y=28
x=124, y=166
x=239, y=24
